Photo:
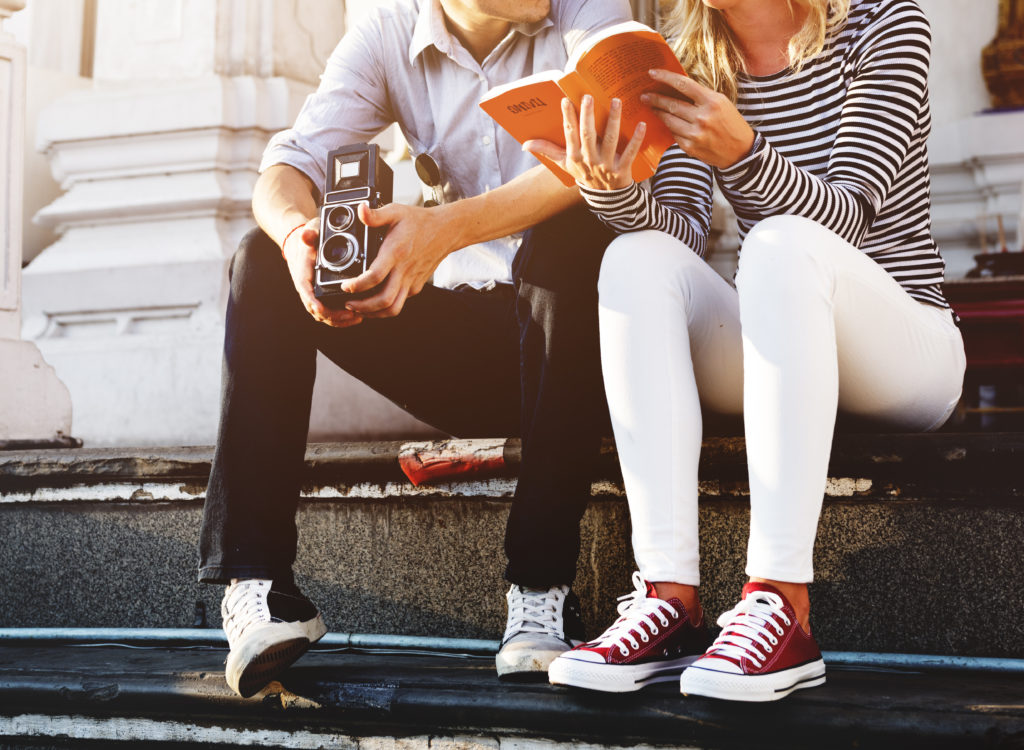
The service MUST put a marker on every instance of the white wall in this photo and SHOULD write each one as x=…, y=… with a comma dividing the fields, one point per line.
x=960, y=28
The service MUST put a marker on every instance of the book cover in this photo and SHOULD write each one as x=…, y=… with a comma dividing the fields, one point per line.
x=610, y=64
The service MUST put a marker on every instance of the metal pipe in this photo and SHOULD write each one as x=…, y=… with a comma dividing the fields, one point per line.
x=471, y=646
x=215, y=637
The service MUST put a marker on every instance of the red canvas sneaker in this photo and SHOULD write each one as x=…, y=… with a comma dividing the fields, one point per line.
x=762, y=654
x=652, y=641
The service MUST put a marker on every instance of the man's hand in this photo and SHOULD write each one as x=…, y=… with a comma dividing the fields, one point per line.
x=300, y=253
x=416, y=243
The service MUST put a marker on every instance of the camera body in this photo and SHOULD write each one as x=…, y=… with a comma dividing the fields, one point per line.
x=355, y=173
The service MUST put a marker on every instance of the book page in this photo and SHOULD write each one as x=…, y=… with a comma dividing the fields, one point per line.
x=617, y=67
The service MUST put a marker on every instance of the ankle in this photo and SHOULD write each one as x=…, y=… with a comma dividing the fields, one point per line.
x=797, y=596
x=683, y=592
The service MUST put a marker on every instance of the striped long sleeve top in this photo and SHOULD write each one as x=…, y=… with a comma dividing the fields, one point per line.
x=842, y=142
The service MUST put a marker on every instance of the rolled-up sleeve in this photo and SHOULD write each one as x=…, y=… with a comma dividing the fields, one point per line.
x=580, y=18
x=351, y=104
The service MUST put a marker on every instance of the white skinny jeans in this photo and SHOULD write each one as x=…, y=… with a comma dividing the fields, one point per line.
x=813, y=326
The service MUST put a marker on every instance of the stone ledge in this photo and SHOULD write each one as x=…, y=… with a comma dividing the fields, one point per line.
x=360, y=699
x=935, y=465
x=915, y=527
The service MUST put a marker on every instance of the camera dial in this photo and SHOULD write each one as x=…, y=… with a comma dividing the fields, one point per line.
x=341, y=217
x=339, y=252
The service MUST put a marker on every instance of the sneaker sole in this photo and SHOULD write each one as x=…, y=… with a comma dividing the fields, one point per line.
x=615, y=678
x=524, y=665
x=753, y=688
x=261, y=658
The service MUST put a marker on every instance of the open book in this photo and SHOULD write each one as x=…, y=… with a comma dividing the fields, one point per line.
x=611, y=63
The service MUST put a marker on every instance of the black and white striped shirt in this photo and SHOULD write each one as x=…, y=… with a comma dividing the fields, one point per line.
x=842, y=142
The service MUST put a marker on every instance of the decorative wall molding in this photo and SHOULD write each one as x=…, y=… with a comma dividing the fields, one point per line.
x=34, y=404
x=977, y=167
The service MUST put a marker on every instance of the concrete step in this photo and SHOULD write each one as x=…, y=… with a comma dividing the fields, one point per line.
x=74, y=697
x=919, y=548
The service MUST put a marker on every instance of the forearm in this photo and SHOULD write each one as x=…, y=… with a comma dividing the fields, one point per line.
x=517, y=205
x=679, y=203
x=282, y=200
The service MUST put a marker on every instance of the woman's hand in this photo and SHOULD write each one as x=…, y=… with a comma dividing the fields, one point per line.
x=592, y=163
x=705, y=124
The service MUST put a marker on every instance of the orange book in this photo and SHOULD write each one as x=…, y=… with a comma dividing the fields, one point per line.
x=612, y=63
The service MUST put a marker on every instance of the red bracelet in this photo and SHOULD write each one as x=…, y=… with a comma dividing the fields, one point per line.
x=285, y=242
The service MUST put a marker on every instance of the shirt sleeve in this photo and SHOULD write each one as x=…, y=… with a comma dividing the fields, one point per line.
x=885, y=105
x=679, y=202
x=578, y=19
x=350, y=105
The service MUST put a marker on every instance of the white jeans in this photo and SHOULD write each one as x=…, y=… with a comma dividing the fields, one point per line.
x=813, y=326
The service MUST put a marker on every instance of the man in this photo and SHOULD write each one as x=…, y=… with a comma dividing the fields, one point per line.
x=503, y=336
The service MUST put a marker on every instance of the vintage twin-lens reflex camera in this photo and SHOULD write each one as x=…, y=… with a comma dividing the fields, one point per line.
x=355, y=173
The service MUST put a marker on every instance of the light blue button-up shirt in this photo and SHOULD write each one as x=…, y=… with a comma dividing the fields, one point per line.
x=400, y=64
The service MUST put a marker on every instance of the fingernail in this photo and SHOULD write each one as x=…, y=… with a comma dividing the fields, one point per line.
x=587, y=98
x=616, y=103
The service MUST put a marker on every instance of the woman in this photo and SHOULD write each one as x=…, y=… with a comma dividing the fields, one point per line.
x=812, y=117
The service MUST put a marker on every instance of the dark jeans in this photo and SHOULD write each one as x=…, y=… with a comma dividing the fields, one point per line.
x=520, y=359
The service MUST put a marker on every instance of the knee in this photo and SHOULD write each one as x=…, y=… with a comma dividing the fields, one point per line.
x=645, y=263
x=257, y=257
x=783, y=252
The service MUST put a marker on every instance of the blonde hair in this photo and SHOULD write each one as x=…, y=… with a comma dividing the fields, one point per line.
x=709, y=53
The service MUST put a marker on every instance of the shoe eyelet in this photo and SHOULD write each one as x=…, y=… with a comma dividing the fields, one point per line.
x=654, y=631
x=645, y=638
x=623, y=650
x=773, y=641
x=768, y=649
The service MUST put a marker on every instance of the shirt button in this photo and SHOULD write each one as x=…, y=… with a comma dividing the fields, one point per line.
x=486, y=140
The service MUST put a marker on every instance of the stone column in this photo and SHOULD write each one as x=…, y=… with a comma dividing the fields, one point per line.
x=158, y=162
x=35, y=408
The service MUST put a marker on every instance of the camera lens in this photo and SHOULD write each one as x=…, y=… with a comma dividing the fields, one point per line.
x=341, y=217
x=340, y=252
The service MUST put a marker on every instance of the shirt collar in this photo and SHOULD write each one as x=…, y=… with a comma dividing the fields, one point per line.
x=431, y=30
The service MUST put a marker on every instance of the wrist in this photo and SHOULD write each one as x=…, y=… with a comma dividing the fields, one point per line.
x=756, y=142
x=459, y=220
x=292, y=231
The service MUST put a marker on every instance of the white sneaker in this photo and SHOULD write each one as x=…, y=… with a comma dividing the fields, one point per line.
x=267, y=631
x=542, y=623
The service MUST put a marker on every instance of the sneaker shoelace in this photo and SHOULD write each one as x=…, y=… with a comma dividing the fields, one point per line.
x=636, y=608
x=535, y=611
x=245, y=605
x=753, y=623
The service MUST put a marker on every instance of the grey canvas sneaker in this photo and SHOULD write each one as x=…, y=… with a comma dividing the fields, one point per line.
x=267, y=629
x=542, y=623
